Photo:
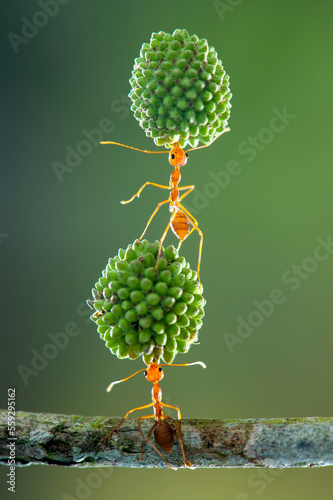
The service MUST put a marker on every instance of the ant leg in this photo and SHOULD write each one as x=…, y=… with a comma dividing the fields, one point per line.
x=152, y=216
x=179, y=435
x=142, y=188
x=181, y=241
x=190, y=216
x=182, y=197
x=142, y=435
x=164, y=235
x=173, y=408
x=122, y=421
x=179, y=245
x=195, y=226
x=189, y=190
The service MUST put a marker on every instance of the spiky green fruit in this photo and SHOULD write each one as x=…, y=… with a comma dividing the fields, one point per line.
x=180, y=91
x=144, y=307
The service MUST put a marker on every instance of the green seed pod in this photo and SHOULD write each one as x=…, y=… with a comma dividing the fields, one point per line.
x=102, y=330
x=133, y=283
x=161, y=288
x=171, y=344
x=123, y=350
x=123, y=293
x=146, y=284
x=98, y=305
x=115, y=286
x=126, y=305
x=164, y=276
x=107, y=335
x=130, y=316
x=161, y=340
x=180, y=308
x=137, y=349
x=174, y=330
x=148, y=347
x=168, y=302
x=169, y=356
x=137, y=296
x=116, y=332
x=112, y=343
x=107, y=293
x=147, y=313
x=151, y=274
x=131, y=338
x=158, y=327
x=144, y=336
x=184, y=334
x=148, y=358
x=107, y=305
x=157, y=313
x=180, y=91
x=158, y=352
x=142, y=308
x=145, y=322
x=152, y=299
x=182, y=346
x=117, y=310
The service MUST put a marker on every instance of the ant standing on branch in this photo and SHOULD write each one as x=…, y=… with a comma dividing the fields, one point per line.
x=163, y=431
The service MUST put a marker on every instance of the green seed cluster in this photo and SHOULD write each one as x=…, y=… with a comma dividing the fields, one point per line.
x=180, y=91
x=149, y=307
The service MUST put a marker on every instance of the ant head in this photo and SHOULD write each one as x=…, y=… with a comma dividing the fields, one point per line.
x=177, y=156
x=154, y=372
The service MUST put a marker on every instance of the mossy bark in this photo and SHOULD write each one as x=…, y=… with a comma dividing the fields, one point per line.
x=75, y=441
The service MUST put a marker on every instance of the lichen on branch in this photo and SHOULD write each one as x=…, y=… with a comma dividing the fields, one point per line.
x=69, y=440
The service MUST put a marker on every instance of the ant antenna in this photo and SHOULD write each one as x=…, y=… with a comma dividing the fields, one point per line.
x=163, y=152
x=211, y=142
x=186, y=364
x=123, y=380
x=131, y=147
x=109, y=388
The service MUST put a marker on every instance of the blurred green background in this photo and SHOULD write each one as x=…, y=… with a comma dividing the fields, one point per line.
x=56, y=236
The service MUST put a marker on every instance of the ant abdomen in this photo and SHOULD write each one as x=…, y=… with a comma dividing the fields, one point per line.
x=181, y=225
x=164, y=435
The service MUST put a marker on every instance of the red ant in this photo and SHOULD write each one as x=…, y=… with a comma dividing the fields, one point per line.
x=163, y=432
x=181, y=220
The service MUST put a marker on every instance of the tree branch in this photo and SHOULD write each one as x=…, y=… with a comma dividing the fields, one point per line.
x=68, y=440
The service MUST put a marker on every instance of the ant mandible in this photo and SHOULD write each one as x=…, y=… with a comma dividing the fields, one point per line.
x=163, y=432
x=181, y=219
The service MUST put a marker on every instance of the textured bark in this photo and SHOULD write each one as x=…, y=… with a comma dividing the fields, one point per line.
x=75, y=441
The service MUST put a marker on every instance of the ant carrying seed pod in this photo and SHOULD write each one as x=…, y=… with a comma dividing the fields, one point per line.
x=164, y=432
